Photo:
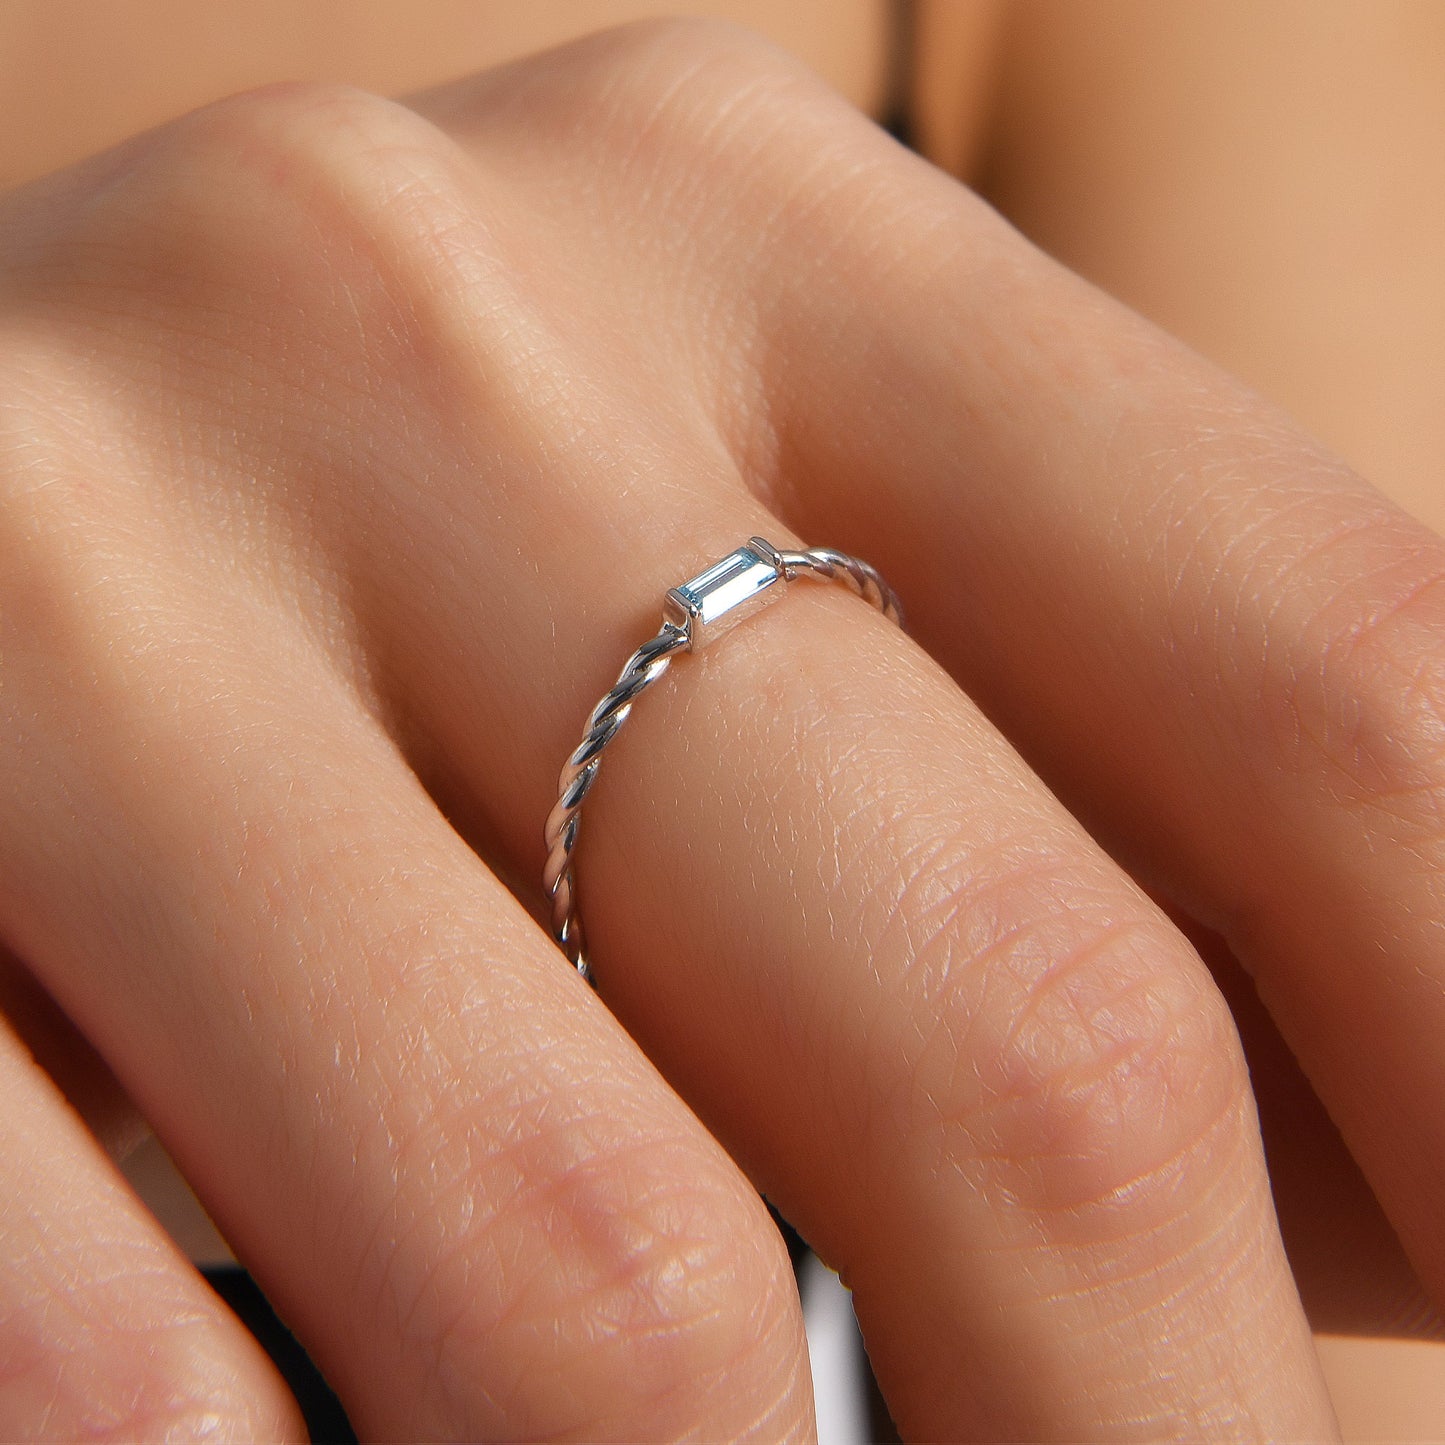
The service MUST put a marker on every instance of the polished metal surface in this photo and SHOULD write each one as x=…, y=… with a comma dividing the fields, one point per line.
x=695, y=614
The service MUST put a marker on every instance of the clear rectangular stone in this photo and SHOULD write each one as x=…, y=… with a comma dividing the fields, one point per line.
x=718, y=599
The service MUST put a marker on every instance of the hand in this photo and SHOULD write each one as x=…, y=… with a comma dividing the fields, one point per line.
x=348, y=450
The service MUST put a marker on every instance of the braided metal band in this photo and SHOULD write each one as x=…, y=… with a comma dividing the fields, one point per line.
x=694, y=615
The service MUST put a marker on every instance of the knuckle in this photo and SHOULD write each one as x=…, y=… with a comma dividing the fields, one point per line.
x=568, y=1245
x=279, y=212
x=1125, y=1098
x=146, y=1400
x=644, y=62
x=691, y=1286
x=158, y=1362
x=294, y=263
x=336, y=155
x=684, y=93
x=1092, y=1066
x=296, y=136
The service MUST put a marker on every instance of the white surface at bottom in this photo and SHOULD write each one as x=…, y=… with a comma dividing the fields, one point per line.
x=836, y=1352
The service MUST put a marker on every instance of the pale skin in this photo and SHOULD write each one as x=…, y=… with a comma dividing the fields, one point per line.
x=347, y=449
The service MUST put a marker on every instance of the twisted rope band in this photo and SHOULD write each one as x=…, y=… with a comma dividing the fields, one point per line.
x=694, y=615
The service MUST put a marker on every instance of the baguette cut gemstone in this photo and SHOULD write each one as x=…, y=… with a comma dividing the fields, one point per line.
x=715, y=601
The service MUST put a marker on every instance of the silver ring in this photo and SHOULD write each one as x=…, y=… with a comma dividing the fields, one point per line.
x=693, y=616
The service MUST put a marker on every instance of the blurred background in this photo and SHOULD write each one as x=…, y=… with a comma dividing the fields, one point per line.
x=1265, y=178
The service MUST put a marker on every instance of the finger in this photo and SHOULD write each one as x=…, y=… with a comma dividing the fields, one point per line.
x=1217, y=645
x=1353, y=1276
x=981, y=1074
x=1220, y=647
x=108, y=1332
x=961, y=1051
x=457, y=1179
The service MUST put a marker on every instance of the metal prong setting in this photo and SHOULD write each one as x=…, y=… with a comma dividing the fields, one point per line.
x=715, y=601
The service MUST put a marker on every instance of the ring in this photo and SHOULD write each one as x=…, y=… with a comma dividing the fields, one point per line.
x=694, y=615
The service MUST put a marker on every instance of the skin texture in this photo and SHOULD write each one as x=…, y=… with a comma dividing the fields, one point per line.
x=333, y=472
x=1261, y=180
